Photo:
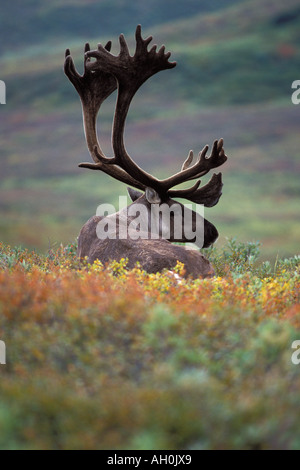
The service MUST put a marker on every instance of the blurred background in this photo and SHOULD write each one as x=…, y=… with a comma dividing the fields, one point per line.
x=236, y=61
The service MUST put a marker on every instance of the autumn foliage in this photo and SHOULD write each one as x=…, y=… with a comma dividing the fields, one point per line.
x=106, y=358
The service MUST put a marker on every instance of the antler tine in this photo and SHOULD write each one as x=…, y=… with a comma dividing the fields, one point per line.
x=208, y=195
x=70, y=70
x=186, y=164
x=124, y=51
x=188, y=161
x=141, y=44
x=202, y=166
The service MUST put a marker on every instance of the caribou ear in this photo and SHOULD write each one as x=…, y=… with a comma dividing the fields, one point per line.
x=152, y=196
x=134, y=194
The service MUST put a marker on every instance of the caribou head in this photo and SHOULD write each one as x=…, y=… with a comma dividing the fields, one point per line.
x=103, y=74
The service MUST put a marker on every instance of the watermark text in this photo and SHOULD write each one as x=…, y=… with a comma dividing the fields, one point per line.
x=2, y=353
x=171, y=221
x=296, y=94
x=295, y=358
x=2, y=92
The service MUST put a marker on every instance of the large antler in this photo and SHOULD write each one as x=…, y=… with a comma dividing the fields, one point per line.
x=93, y=88
x=130, y=72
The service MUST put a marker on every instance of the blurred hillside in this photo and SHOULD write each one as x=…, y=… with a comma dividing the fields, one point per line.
x=236, y=64
x=35, y=21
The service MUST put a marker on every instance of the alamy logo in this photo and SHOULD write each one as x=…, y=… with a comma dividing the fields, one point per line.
x=296, y=95
x=2, y=92
x=2, y=353
x=295, y=356
x=139, y=221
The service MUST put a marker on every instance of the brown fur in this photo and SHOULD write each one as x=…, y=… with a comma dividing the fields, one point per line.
x=153, y=255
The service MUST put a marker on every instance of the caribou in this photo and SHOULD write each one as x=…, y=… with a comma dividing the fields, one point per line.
x=144, y=231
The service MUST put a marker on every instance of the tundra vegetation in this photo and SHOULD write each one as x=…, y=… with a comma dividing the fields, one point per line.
x=236, y=61
x=123, y=359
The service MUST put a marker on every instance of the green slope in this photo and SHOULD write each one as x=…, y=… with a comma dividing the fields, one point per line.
x=36, y=21
x=242, y=54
